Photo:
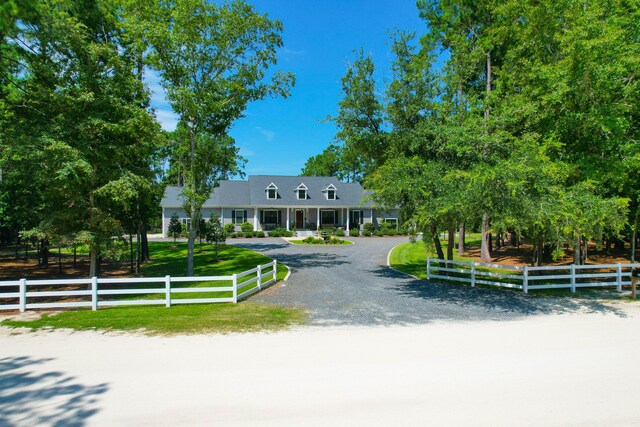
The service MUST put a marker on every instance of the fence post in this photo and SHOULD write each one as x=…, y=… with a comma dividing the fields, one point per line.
x=23, y=295
x=94, y=293
x=525, y=279
x=573, y=278
x=619, y=277
x=167, y=291
x=428, y=267
x=259, y=277
x=275, y=271
x=235, y=288
x=473, y=274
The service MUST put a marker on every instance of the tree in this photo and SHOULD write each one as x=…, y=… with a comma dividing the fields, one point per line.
x=216, y=234
x=213, y=61
x=175, y=227
x=81, y=114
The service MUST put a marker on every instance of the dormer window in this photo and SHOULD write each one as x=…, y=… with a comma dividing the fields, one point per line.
x=330, y=192
x=302, y=192
x=272, y=191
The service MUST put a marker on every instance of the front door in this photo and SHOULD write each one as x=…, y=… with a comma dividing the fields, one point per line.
x=299, y=219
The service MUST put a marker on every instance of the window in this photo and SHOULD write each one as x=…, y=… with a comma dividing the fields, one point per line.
x=186, y=222
x=302, y=191
x=239, y=217
x=328, y=217
x=271, y=217
x=356, y=217
x=272, y=191
x=330, y=192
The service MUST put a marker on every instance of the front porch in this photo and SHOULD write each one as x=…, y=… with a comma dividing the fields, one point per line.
x=305, y=218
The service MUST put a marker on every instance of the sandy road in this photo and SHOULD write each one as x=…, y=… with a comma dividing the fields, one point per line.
x=579, y=369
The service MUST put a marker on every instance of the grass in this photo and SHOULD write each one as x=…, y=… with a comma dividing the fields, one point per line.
x=170, y=259
x=183, y=319
x=411, y=258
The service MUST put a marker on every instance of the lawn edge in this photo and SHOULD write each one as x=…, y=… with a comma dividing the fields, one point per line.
x=395, y=269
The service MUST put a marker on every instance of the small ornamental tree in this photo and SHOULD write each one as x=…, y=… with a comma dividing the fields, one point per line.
x=175, y=227
x=201, y=231
x=215, y=233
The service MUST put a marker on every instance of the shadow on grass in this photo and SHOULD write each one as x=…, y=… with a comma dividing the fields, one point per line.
x=493, y=299
x=50, y=398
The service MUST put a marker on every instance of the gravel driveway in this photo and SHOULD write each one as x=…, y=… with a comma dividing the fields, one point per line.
x=351, y=285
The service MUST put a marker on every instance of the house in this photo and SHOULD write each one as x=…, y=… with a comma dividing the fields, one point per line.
x=269, y=201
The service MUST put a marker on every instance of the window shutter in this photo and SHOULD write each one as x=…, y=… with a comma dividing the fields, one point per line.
x=245, y=216
x=278, y=217
x=262, y=217
x=233, y=216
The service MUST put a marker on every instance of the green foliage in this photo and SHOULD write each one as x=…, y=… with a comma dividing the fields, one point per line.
x=260, y=234
x=369, y=226
x=246, y=227
x=229, y=228
x=214, y=233
x=354, y=232
x=277, y=232
x=366, y=233
x=175, y=227
x=247, y=234
x=340, y=232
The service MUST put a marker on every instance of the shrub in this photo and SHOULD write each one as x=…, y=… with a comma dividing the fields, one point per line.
x=335, y=241
x=259, y=233
x=230, y=229
x=369, y=226
x=392, y=232
x=309, y=239
x=277, y=232
x=246, y=227
x=248, y=234
x=379, y=233
x=354, y=232
x=340, y=233
x=366, y=233
x=288, y=234
x=239, y=234
x=214, y=233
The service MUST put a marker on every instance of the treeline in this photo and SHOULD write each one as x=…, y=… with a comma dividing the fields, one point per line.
x=83, y=159
x=531, y=126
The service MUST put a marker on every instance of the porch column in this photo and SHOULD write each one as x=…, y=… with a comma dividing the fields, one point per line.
x=255, y=218
x=288, y=210
x=222, y=216
x=347, y=220
x=164, y=233
x=318, y=220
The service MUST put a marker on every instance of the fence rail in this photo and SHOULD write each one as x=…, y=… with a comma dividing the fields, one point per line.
x=532, y=278
x=26, y=294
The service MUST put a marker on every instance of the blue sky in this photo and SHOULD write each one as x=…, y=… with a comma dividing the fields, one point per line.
x=278, y=135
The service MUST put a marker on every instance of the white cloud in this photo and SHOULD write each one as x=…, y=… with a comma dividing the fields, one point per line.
x=268, y=134
x=167, y=118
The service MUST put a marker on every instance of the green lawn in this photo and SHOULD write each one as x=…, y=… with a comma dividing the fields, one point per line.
x=182, y=319
x=170, y=259
x=412, y=258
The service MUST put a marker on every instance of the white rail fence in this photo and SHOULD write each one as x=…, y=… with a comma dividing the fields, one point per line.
x=104, y=292
x=532, y=278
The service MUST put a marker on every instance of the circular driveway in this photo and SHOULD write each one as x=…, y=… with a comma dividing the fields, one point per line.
x=352, y=285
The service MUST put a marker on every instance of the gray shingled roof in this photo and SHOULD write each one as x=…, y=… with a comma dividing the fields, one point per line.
x=252, y=192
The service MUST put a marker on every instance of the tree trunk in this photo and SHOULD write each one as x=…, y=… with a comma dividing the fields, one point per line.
x=577, y=257
x=540, y=252
x=131, y=252
x=44, y=248
x=75, y=256
x=138, y=253
x=144, y=242
x=59, y=259
x=485, y=256
x=461, y=240
x=634, y=235
x=194, y=218
x=436, y=243
x=585, y=248
x=488, y=87
x=93, y=263
x=451, y=242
